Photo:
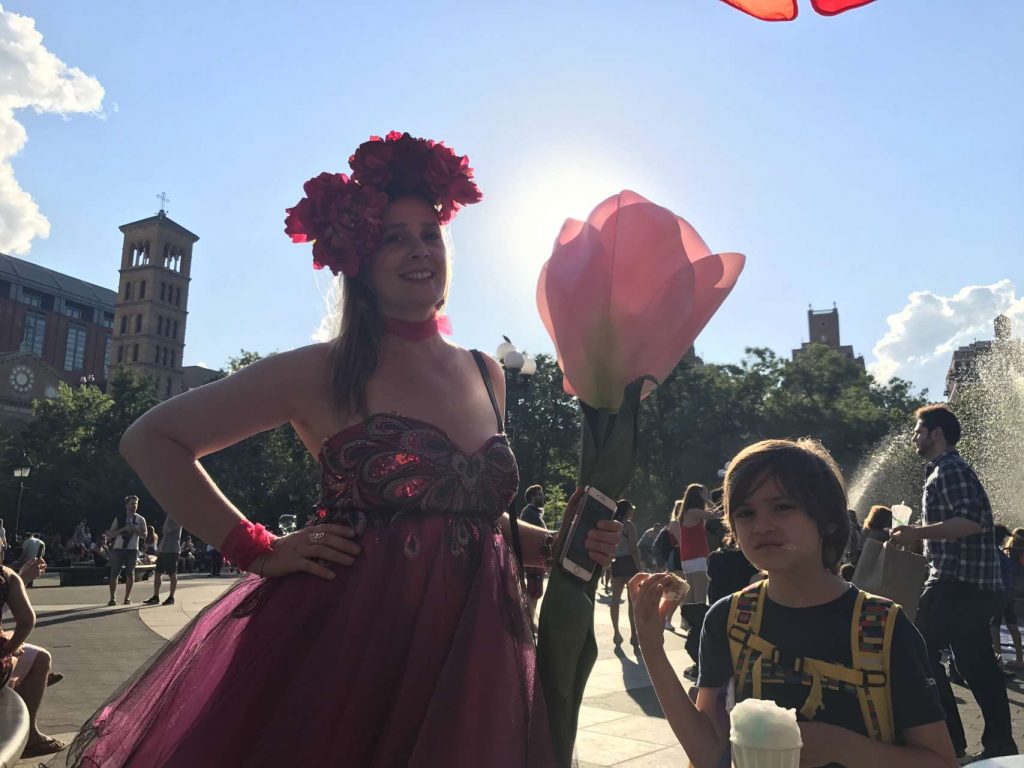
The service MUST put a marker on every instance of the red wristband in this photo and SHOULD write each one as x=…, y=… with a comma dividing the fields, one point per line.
x=246, y=542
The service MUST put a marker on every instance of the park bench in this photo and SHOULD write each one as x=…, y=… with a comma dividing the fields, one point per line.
x=13, y=727
x=87, y=574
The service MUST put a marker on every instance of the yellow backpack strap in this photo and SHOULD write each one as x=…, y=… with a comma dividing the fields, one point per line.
x=871, y=643
x=746, y=646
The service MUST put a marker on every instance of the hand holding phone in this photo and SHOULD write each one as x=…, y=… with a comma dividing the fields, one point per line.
x=575, y=558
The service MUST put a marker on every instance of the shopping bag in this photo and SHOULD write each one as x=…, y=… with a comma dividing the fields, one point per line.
x=888, y=571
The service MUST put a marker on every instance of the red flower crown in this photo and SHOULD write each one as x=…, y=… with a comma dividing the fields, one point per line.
x=341, y=215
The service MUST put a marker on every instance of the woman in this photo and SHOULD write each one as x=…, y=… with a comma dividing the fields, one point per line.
x=672, y=563
x=789, y=638
x=392, y=631
x=693, y=541
x=877, y=524
x=1006, y=613
x=624, y=566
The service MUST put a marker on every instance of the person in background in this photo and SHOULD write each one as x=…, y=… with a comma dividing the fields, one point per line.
x=648, y=561
x=624, y=567
x=963, y=591
x=215, y=559
x=30, y=669
x=125, y=531
x=78, y=540
x=32, y=547
x=672, y=563
x=877, y=524
x=533, y=514
x=856, y=542
x=693, y=540
x=152, y=541
x=101, y=551
x=1007, y=611
x=188, y=555
x=167, y=561
x=3, y=542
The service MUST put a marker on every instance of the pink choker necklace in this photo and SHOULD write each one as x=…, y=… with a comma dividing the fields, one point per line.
x=417, y=330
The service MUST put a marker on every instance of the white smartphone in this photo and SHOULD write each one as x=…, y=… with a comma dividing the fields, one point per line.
x=575, y=558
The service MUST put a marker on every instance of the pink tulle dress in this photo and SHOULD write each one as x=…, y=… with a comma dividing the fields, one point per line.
x=419, y=654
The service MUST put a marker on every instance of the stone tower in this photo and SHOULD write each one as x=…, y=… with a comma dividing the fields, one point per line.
x=152, y=300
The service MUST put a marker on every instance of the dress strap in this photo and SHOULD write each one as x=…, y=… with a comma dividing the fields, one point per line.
x=485, y=374
x=513, y=518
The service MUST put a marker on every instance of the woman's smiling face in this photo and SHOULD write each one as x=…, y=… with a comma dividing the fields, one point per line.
x=408, y=273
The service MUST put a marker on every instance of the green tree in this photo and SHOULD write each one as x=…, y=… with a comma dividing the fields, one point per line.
x=77, y=471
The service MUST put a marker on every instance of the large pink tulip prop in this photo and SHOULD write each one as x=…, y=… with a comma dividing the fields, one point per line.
x=623, y=296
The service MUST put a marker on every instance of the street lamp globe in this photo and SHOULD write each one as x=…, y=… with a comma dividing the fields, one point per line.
x=514, y=361
x=503, y=349
x=23, y=467
x=529, y=366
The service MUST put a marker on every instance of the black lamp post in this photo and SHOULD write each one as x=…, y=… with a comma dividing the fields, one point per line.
x=21, y=471
x=519, y=368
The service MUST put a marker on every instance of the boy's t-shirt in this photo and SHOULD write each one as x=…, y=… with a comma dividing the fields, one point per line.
x=823, y=632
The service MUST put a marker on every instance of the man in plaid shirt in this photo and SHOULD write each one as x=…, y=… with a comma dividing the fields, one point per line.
x=962, y=592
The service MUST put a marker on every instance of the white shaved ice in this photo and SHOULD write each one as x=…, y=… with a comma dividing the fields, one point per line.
x=764, y=724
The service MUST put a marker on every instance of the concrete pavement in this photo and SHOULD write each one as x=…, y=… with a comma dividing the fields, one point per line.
x=97, y=648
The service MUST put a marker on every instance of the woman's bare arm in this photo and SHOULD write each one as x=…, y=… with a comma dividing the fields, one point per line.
x=165, y=444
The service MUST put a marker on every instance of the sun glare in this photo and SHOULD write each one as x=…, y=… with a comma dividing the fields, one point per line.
x=543, y=195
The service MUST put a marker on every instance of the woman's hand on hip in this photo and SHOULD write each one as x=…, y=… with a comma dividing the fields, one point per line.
x=311, y=550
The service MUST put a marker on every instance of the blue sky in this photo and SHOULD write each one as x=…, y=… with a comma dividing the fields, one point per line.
x=871, y=159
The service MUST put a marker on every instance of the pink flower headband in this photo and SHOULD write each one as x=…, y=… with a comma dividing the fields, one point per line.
x=341, y=215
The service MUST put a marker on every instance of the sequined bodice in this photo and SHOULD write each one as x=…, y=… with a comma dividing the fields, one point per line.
x=392, y=464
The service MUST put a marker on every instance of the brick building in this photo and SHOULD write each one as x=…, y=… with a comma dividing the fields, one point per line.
x=963, y=367
x=823, y=328
x=54, y=327
x=152, y=300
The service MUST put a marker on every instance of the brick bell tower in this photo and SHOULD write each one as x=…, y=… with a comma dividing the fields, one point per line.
x=152, y=299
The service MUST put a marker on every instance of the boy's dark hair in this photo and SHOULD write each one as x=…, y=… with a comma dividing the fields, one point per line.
x=939, y=416
x=129, y=498
x=531, y=492
x=808, y=474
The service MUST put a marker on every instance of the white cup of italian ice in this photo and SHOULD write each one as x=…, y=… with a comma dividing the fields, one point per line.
x=764, y=735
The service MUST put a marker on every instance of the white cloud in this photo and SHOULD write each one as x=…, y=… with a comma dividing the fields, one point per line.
x=31, y=77
x=923, y=335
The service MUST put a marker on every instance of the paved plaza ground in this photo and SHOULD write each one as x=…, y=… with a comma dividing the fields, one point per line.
x=97, y=648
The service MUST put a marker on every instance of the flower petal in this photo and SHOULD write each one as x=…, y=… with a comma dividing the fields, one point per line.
x=767, y=10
